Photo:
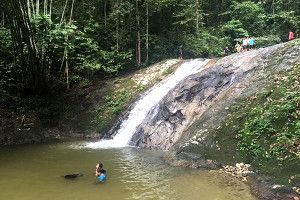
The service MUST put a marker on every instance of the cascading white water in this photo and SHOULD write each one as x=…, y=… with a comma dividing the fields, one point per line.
x=147, y=103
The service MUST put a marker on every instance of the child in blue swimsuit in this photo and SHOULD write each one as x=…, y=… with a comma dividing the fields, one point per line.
x=100, y=172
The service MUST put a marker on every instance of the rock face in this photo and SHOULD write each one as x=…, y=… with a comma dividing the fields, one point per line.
x=216, y=87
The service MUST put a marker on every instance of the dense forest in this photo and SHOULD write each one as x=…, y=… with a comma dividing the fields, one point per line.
x=49, y=45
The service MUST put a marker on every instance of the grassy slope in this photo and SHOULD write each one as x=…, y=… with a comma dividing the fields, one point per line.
x=120, y=93
x=263, y=130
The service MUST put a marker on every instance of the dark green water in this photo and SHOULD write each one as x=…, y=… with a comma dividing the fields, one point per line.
x=34, y=172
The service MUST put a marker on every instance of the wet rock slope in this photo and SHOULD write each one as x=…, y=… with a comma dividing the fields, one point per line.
x=204, y=97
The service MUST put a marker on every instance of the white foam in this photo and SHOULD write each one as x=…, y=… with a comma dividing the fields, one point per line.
x=147, y=103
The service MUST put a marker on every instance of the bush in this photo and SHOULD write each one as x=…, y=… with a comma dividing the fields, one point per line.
x=251, y=15
x=267, y=41
x=234, y=30
x=162, y=48
x=271, y=130
x=204, y=45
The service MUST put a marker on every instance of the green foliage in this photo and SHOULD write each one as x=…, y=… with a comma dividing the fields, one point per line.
x=251, y=15
x=285, y=21
x=162, y=48
x=200, y=45
x=5, y=41
x=6, y=66
x=268, y=40
x=271, y=130
x=234, y=30
x=263, y=130
x=81, y=49
x=114, y=61
x=3, y=91
x=102, y=37
x=168, y=71
x=114, y=103
x=187, y=15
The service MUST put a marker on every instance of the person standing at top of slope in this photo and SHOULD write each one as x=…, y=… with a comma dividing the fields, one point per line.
x=226, y=51
x=180, y=52
x=291, y=35
x=251, y=42
x=245, y=44
x=238, y=47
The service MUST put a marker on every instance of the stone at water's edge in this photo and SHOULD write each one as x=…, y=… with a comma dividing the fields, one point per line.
x=214, y=88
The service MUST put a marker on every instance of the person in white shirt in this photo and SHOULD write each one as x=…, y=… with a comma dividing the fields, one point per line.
x=245, y=44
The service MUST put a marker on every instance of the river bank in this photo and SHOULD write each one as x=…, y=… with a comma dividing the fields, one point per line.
x=262, y=185
x=259, y=128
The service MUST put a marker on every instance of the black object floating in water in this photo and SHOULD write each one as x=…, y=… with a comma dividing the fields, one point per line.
x=72, y=176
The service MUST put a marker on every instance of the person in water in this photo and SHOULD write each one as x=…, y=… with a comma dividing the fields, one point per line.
x=99, y=169
x=100, y=172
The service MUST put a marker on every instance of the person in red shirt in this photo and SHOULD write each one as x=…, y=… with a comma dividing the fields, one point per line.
x=291, y=35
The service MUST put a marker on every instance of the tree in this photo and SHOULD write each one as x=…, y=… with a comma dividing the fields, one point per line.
x=189, y=16
x=138, y=32
x=50, y=38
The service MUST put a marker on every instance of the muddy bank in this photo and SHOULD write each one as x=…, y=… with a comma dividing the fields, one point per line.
x=262, y=186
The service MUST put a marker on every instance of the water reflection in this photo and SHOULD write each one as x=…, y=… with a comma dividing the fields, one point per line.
x=145, y=178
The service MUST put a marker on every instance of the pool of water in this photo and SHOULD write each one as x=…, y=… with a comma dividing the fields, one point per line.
x=35, y=172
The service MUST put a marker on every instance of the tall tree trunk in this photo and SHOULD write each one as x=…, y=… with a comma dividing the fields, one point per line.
x=273, y=7
x=117, y=35
x=37, y=8
x=3, y=19
x=32, y=8
x=63, y=13
x=26, y=55
x=138, y=48
x=24, y=39
x=71, y=13
x=66, y=49
x=105, y=17
x=29, y=8
x=197, y=16
x=50, y=9
x=67, y=70
x=45, y=7
x=26, y=29
x=44, y=49
x=147, y=32
x=223, y=8
x=18, y=44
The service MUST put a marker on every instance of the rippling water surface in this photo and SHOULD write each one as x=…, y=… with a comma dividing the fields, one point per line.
x=34, y=172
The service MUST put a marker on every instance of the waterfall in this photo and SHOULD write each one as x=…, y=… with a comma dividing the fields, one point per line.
x=148, y=102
